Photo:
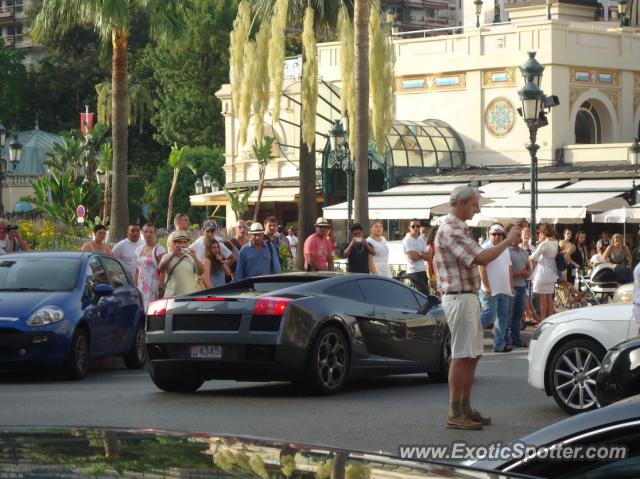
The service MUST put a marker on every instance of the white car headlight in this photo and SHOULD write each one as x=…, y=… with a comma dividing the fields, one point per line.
x=46, y=315
x=538, y=331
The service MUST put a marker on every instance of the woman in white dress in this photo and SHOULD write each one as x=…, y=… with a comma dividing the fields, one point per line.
x=379, y=243
x=546, y=273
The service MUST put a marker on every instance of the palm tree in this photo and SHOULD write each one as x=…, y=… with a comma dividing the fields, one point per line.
x=178, y=160
x=361, y=13
x=262, y=154
x=111, y=19
x=325, y=18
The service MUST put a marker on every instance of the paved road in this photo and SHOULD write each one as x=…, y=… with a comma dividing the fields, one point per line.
x=374, y=415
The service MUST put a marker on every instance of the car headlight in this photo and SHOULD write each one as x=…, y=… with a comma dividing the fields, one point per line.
x=609, y=360
x=46, y=315
x=541, y=328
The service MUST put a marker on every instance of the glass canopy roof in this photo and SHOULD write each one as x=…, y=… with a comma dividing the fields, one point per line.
x=428, y=143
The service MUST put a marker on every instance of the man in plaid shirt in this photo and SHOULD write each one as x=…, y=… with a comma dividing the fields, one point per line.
x=457, y=259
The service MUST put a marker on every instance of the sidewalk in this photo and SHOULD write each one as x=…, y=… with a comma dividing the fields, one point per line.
x=525, y=334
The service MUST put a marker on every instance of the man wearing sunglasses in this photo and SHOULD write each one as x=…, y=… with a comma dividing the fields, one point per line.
x=318, y=254
x=416, y=251
x=497, y=290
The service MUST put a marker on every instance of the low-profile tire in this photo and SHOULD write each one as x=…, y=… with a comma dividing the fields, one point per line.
x=77, y=364
x=572, y=372
x=442, y=374
x=328, y=366
x=136, y=357
x=174, y=383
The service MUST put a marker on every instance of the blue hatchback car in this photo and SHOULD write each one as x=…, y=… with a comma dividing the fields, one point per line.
x=64, y=308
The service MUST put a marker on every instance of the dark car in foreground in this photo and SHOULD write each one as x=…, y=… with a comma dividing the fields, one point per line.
x=603, y=443
x=84, y=452
x=64, y=308
x=619, y=375
x=317, y=329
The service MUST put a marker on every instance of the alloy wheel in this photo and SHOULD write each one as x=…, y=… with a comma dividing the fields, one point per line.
x=332, y=358
x=141, y=350
x=574, y=378
x=81, y=353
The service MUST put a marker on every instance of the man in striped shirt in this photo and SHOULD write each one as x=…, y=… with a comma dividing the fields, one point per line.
x=457, y=259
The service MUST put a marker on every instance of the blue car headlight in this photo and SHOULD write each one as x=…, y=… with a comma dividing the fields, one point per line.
x=45, y=315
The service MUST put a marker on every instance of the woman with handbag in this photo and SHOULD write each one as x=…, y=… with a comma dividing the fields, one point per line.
x=215, y=268
x=181, y=267
x=148, y=256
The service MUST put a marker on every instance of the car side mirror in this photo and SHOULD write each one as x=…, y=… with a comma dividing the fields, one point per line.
x=432, y=302
x=102, y=290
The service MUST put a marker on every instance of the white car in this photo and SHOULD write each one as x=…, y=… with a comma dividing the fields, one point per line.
x=566, y=350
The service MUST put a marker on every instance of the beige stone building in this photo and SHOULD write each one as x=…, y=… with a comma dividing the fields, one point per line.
x=456, y=120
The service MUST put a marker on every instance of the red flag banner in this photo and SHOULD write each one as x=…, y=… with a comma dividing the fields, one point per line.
x=86, y=119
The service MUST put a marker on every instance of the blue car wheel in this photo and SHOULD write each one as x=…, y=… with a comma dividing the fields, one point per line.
x=78, y=362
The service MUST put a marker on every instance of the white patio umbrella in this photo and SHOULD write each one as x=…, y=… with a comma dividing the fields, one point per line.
x=618, y=215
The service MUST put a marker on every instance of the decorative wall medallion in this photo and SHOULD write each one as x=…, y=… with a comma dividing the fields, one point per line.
x=500, y=116
x=499, y=78
x=595, y=77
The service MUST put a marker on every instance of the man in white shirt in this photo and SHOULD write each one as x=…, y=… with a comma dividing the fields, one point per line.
x=497, y=290
x=125, y=250
x=209, y=230
x=416, y=251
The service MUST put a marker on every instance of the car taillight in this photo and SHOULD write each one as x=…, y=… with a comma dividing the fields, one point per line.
x=158, y=308
x=270, y=306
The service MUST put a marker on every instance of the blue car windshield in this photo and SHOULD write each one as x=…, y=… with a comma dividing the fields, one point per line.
x=38, y=274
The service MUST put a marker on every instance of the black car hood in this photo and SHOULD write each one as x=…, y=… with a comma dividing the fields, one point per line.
x=87, y=452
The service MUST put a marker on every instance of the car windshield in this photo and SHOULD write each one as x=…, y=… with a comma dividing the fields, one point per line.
x=30, y=273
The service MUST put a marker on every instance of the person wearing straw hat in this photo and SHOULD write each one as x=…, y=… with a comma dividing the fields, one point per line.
x=258, y=257
x=318, y=253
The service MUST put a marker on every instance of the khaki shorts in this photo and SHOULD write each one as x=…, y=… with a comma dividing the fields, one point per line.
x=463, y=317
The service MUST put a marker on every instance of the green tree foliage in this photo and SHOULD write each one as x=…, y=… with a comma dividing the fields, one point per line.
x=239, y=201
x=13, y=92
x=187, y=74
x=58, y=194
x=203, y=160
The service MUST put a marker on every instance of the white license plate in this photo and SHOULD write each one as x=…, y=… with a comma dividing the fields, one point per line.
x=206, y=351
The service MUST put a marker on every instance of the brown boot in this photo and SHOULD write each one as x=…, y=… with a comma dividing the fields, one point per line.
x=462, y=422
x=475, y=416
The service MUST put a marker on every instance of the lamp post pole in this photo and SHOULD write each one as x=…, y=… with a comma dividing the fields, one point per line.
x=531, y=111
x=340, y=149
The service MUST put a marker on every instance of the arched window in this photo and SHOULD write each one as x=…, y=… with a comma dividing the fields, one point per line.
x=588, y=126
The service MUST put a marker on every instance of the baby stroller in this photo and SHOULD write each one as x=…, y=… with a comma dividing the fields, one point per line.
x=600, y=284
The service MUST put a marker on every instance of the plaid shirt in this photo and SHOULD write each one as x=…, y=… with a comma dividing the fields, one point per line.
x=455, y=252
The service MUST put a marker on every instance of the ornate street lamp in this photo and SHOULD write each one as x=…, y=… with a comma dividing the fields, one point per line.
x=531, y=70
x=549, y=9
x=15, y=152
x=622, y=12
x=199, y=186
x=215, y=186
x=100, y=176
x=478, y=7
x=340, y=150
x=206, y=180
x=532, y=97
